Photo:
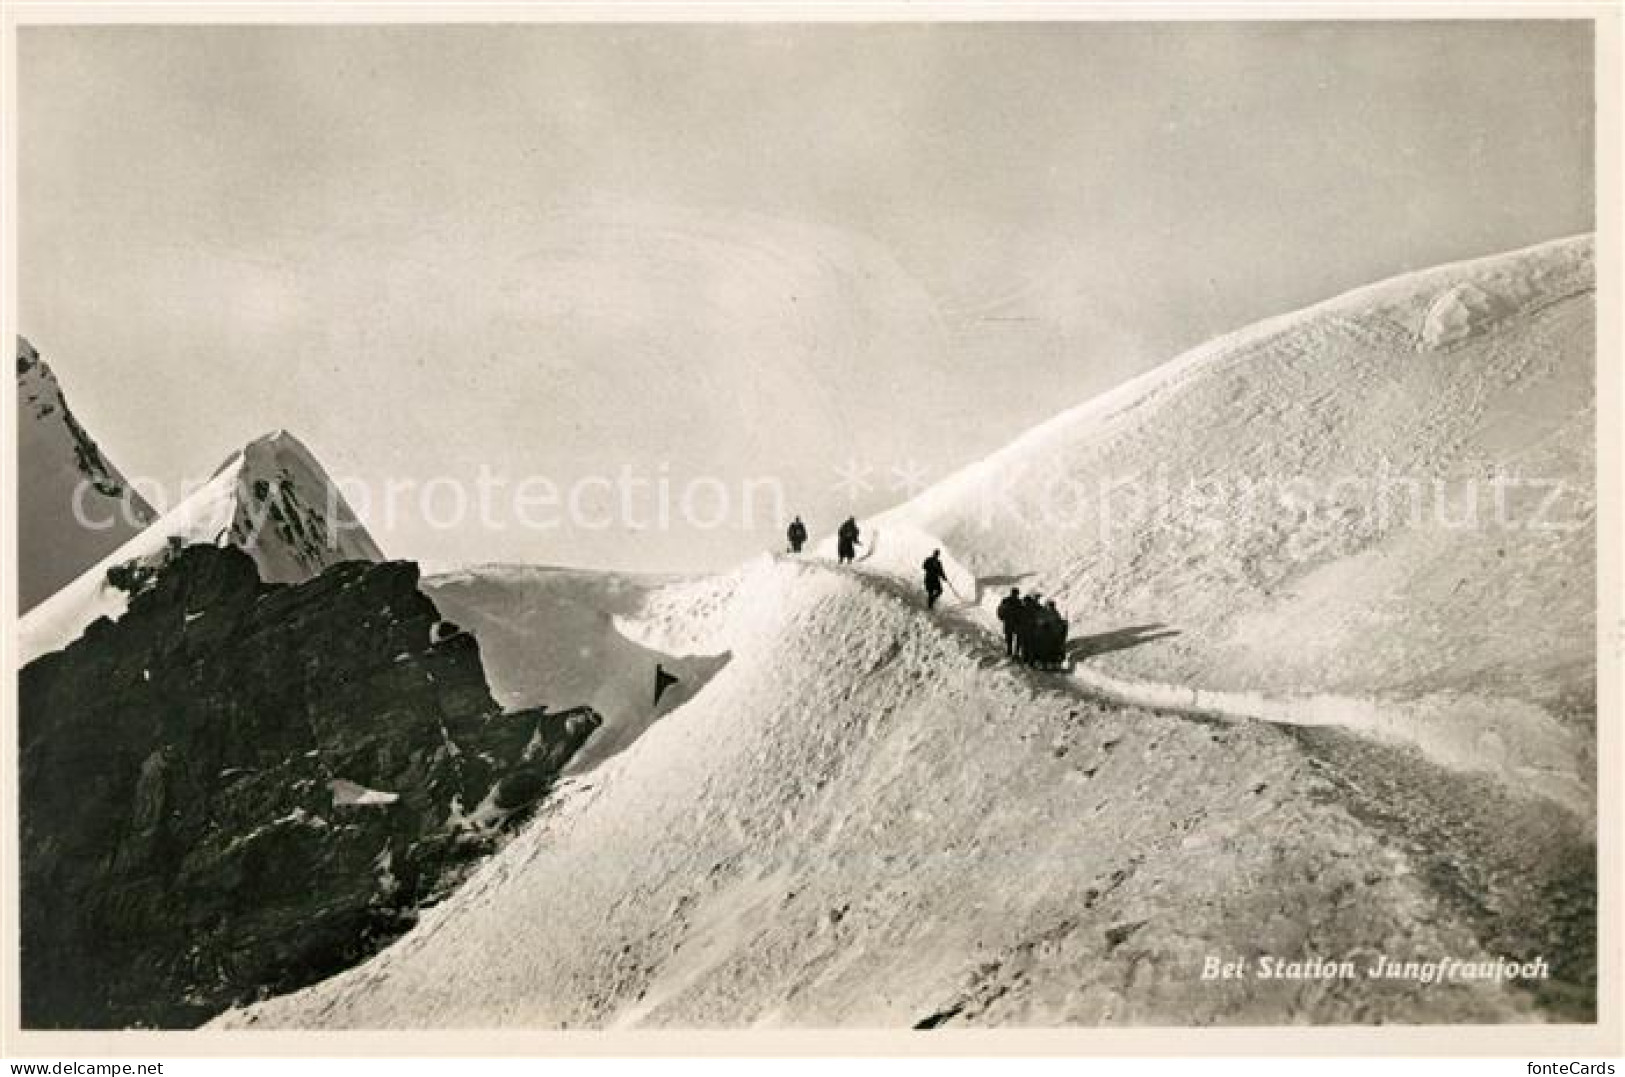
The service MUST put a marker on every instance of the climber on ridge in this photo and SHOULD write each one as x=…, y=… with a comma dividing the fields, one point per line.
x=1010, y=618
x=934, y=575
x=846, y=541
x=797, y=534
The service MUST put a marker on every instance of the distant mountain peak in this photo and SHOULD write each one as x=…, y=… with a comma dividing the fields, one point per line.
x=66, y=526
x=291, y=517
x=271, y=498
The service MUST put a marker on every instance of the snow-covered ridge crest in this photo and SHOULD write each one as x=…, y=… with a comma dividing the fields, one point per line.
x=290, y=517
x=1511, y=741
x=1300, y=521
x=1420, y=311
x=272, y=499
x=1469, y=643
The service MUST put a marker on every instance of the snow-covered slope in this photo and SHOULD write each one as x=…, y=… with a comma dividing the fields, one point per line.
x=58, y=466
x=1382, y=507
x=271, y=499
x=866, y=820
x=867, y=817
x=548, y=637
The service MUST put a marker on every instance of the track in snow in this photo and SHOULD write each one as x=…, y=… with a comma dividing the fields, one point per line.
x=1539, y=764
x=1520, y=871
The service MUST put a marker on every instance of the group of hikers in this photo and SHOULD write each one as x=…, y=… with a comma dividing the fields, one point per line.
x=846, y=539
x=1034, y=630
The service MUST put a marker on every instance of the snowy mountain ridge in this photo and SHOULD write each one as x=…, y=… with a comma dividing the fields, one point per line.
x=868, y=816
x=1377, y=513
x=865, y=818
x=60, y=465
x=1426, y=310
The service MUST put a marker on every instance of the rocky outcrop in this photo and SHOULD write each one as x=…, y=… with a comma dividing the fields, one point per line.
x=272, y=499
x=239, y=788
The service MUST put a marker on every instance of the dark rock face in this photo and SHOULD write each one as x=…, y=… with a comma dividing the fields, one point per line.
x=240, y=788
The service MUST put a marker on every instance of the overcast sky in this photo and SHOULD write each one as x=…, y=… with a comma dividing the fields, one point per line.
x=729, y=252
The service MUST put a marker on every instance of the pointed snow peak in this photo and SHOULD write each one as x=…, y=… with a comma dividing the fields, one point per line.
x=290, y=514
x=276, y=438
x=279, y=444
x=268, y=448
x=270, y=451
x=271, y=499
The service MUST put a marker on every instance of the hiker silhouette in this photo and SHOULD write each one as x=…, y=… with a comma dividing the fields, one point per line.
x=1010, y=619
x=934, y=575
x=797, y=534
x=846, y=541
